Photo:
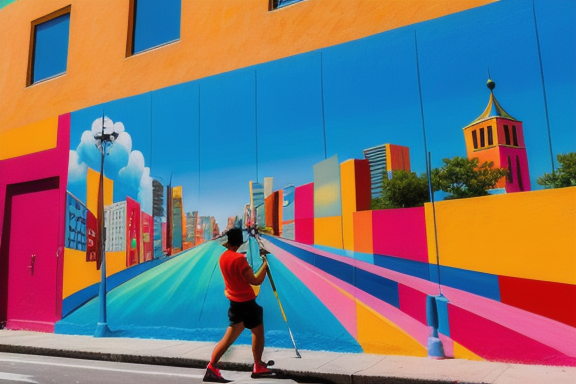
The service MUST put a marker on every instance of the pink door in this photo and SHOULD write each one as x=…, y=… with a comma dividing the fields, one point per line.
x=32, y=266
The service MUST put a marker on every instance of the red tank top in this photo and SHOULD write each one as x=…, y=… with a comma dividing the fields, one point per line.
x=233, y=265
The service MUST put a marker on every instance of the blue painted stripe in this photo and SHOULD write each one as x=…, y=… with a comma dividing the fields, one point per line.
x=77, y=299
x=379, y=287
x=407, y=267
x=478, y=283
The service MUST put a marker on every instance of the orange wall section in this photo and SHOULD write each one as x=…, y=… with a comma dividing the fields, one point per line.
x=527, y=235
x=31, y=138
x=216, y=37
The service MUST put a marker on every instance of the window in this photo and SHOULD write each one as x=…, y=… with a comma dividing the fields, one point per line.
x=507, y=134
x=475, y=139
x=490, y=137
x=152, y=23
x=519, y=174
x=510, y=174
x=514, y=137
x=48, y=55
x=281, y=3
x=482, y=140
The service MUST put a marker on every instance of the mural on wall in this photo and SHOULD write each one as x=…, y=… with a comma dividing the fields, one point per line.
x=299, y=146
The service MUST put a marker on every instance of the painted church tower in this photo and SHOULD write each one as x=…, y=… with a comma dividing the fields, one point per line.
x=496, y=136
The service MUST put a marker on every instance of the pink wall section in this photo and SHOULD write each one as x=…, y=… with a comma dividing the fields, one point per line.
x=304, y=202
x=493, y=341
x=400, y=233
x=37, y=166
x=413, y=303
x=304, y=231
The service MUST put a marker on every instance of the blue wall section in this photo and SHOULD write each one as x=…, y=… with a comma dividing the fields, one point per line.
x=51, y=48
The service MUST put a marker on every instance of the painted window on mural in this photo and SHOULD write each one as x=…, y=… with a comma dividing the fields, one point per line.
x=475, y=139
x=154, y=23
x=514, y=136
x=490, y=137
x=507, y=134
x=282, y=3
x=49, y=46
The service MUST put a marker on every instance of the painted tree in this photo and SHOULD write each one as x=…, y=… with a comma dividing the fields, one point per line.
x=564, y=176
x=462, y=177
x=403, y=190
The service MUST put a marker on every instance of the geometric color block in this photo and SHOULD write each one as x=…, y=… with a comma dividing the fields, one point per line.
x=400, y=233
x=355, y=189
x=556, y=301
x=407, y=267
x=363, y=232
x=304, y=231
x=397, y=158
x=304, y=201
x=24, y=140
x=378, y=335
x=412, y=302
x=461, y=352
x=328, y=231
x=379, y=287
x=478, y=283
x=495, y=342
x=527, y=235
x=92, y=187
x=327, y=194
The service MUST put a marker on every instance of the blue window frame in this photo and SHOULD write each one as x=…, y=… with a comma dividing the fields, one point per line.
x=153, y=23
x=274, y=4
x=49, y=46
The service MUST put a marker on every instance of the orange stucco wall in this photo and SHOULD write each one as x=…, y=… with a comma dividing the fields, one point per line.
x=216, y=37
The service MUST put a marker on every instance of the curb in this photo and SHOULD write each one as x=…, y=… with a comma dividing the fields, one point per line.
x=300, y=376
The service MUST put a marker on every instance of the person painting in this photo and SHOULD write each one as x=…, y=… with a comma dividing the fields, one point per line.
x=244, y=312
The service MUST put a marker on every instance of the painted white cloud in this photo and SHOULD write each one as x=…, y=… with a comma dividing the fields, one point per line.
x=76, y=168
x=124, y=166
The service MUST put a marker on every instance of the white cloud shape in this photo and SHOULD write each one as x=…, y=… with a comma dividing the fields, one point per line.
x=76, y=168
x=124, y=166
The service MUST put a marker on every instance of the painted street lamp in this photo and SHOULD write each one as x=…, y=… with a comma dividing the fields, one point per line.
x=104, y=140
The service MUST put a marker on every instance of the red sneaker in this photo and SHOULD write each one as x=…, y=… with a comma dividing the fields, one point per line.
x=261, y=371
x=213, y=375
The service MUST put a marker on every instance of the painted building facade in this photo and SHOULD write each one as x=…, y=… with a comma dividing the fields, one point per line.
x=228, y=97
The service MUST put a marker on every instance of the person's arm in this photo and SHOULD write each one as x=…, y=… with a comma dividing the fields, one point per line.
x=251, y=278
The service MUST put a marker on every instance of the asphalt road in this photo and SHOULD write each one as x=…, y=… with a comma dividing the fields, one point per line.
x=16, y=369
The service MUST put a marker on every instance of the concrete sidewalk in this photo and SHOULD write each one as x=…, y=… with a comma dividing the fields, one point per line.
x=318, y=367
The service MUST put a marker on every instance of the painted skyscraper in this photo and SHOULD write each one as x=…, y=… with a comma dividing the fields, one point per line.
x=386, y=158
x=496, y=136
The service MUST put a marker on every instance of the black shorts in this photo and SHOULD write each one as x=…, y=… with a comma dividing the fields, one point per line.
x=247, y=312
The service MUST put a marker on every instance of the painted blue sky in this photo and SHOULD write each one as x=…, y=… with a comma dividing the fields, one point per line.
x=278, y=119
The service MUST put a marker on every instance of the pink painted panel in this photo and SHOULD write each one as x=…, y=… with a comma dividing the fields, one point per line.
x=493, y=341
x=413, y=302
x=546, y=331
x=38, y=166
x=304, y=201
x=304, y=231
x=400, y=233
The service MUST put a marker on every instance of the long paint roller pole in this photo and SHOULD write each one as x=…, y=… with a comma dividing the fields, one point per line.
x=279, y=303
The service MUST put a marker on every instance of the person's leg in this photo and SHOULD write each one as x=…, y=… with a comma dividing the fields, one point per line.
x=258, y=344
x=232, y=333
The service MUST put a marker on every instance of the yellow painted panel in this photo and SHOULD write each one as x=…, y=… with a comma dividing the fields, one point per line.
x=378, y=335
x=527, y=235
x=115, y=262
x=31, y=138
x=461, y=352
x=328, y=231
x=93, y=179
x=78, y=274
x=348, y=193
